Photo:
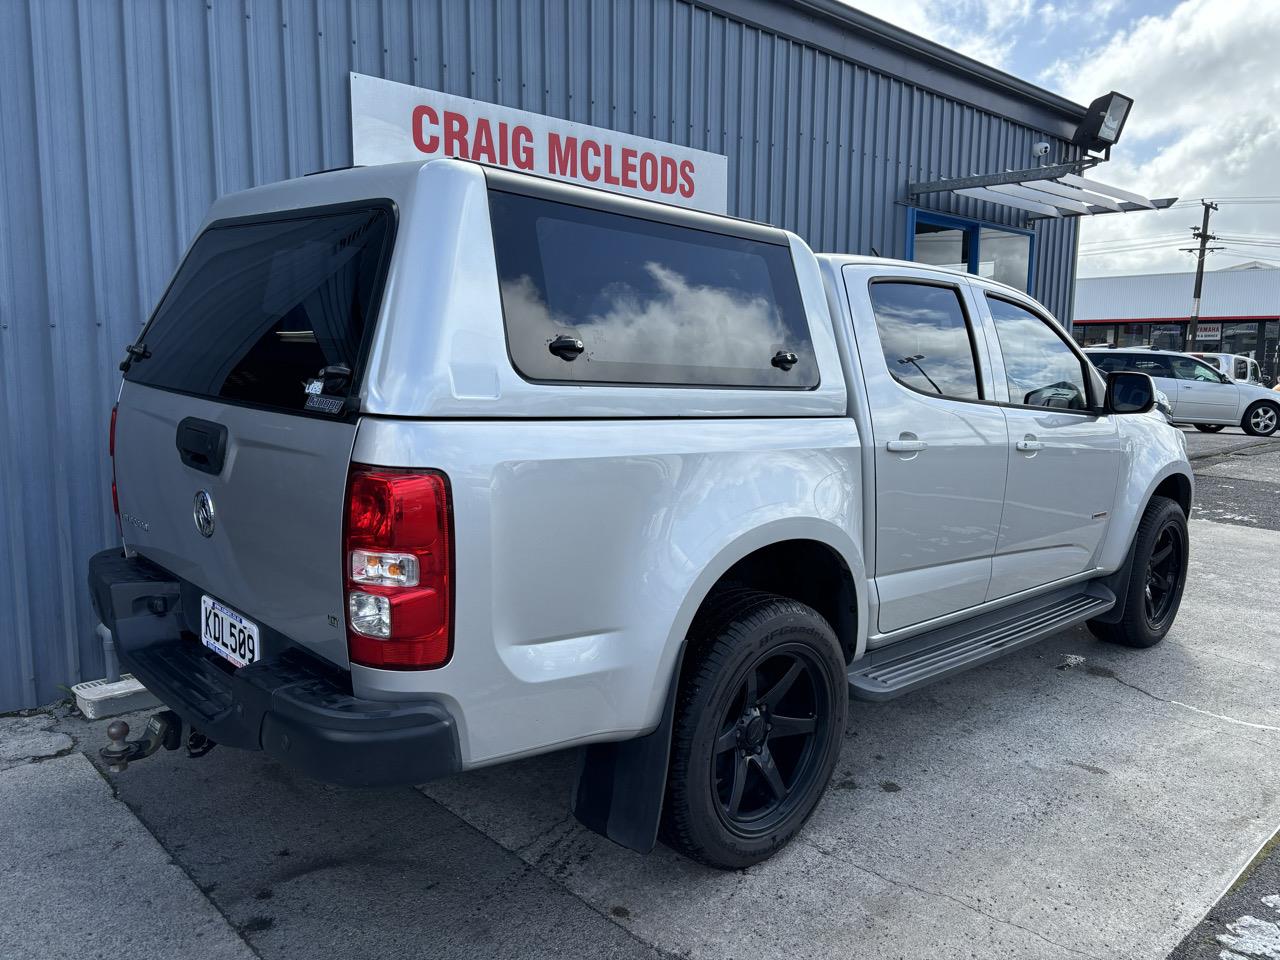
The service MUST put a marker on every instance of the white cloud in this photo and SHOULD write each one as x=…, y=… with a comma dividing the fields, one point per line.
x=1205, y=82
x=983, y=29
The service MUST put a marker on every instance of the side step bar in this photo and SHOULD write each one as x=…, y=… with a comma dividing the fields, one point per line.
x=901, y=667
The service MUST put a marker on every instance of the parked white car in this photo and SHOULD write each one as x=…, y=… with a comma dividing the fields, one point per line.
x=1201, y=396
x=426, y=467
x=1240, y=368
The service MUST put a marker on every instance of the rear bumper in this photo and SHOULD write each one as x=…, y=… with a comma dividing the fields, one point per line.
x=292, y=705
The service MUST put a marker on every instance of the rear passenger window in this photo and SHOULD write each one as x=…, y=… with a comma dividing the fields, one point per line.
x=652, y=303
x=925, y=338
x=1041, y=369
x=1109, y=362
x=1153, y=365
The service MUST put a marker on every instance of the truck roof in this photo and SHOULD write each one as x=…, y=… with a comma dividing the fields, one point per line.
x=860, y=259
x=398, y=180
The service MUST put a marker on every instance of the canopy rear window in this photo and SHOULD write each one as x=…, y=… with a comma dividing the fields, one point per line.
x=651, y=303
x=271, y=311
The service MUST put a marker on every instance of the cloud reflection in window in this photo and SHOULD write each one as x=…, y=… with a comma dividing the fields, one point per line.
x=673, y=325
x=926, y=344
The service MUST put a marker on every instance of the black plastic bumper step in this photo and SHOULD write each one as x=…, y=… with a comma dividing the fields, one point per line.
x=901, y=667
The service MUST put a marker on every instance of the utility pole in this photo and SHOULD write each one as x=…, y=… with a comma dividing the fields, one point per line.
x=1204, y=236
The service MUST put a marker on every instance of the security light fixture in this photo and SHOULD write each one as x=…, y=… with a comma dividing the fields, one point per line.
x=1103, y=122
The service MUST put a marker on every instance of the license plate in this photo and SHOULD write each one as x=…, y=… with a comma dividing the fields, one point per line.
x=227, y=633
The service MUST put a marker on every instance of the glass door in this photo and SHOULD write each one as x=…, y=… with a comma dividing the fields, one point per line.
x=958, y=243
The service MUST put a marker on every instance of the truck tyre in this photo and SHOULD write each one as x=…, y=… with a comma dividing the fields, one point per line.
x=1208, y=427
x=758, y=727
x=1261, y=419
x=1157, y=574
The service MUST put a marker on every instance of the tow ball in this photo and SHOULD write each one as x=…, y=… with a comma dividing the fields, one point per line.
x=164, y=729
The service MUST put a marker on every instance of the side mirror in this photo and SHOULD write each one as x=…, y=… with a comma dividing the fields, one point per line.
x=1129, y=392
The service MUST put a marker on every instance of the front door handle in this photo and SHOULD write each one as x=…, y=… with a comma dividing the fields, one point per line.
x=1028, y=444
x=906, y=446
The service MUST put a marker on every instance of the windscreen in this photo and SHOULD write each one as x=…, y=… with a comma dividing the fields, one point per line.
x=270, y=311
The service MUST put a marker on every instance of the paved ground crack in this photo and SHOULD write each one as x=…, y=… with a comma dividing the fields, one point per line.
x=1187, y=706
x=945, y=896
x=527, y=845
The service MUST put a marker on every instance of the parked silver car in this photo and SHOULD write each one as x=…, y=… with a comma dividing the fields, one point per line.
x=431, y=466
x=1201, y=396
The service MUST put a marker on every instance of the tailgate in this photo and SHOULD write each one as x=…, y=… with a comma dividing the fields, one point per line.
x=237, y=416
x=275, y=550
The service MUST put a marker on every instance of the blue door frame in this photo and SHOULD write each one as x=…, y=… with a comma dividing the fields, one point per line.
x=972, y=228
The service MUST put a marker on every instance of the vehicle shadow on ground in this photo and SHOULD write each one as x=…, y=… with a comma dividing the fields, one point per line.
x=306, y=870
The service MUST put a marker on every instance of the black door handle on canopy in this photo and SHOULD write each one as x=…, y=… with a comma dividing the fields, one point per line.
x=566, y=348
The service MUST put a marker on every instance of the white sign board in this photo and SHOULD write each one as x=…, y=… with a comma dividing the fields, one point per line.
x=393, y=122
x=1209, y=331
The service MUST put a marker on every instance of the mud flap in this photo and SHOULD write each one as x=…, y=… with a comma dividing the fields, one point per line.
x=620, y=786
x=1118, y=583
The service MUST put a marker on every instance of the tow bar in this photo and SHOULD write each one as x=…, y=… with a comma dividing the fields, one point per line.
x=163, y=730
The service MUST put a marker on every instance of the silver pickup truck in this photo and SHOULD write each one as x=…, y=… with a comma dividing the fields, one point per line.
x=425, y=467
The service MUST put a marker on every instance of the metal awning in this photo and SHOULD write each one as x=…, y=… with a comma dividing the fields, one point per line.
x=1052, y=191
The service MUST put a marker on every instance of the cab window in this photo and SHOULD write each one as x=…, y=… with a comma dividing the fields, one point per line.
x=925, y=338
x=1242, y=369
x=1041, y=370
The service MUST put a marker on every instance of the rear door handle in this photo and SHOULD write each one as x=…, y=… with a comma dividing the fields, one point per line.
x=906, y=446
x=1028, y=444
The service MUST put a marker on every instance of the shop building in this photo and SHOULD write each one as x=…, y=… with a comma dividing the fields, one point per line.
x=1239, y=313
x=121, y=122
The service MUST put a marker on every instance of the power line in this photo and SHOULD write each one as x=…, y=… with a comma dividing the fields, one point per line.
x=1245, y=241
x=1126, y=240
x=1134, y=248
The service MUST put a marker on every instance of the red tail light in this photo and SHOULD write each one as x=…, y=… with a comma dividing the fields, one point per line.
x=398, y=568
x=111, y=448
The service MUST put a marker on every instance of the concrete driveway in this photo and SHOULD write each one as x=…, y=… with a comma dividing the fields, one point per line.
x=1072, y=800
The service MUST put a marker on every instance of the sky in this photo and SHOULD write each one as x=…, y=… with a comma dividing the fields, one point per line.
x=1205, y=78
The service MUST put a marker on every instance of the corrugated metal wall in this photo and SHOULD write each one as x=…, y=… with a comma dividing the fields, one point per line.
x=121, y=121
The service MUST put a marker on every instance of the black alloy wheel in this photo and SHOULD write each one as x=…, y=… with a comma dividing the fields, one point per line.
x=1148, y=598
x=767, y=740
x=1164, y=572
x=764, y=692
